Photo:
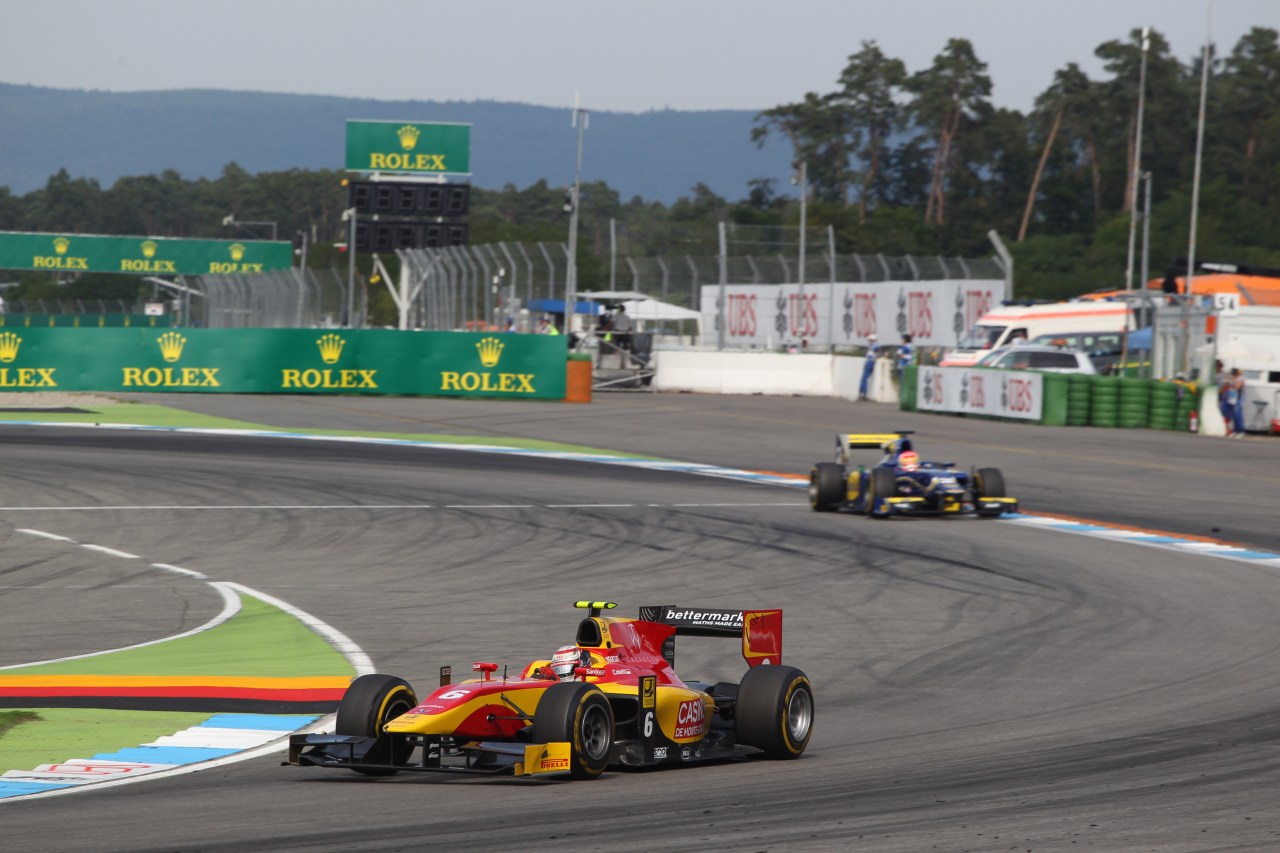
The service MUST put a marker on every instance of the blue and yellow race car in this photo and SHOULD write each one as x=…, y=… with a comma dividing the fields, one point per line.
x=901, y=483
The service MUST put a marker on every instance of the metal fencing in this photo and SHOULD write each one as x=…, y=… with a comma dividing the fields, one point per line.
x=485, y=286
x=285, y=299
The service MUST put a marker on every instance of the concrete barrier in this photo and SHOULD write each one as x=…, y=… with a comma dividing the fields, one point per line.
x=802, y=374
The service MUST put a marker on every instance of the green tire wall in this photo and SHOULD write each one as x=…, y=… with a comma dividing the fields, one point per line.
x=1056, y=405
x=1134, y=406
x=1079, y=392
x=1104, y=402
x=907, y=389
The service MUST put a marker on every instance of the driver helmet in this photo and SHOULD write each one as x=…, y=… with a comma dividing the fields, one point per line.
x=565, y=661
x=909, y=460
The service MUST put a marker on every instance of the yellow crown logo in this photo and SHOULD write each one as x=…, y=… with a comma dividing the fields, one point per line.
x=171, y=344
x=330, y=347
x=9, y=343
x=61, y=244
x=237, y=251
x=408, y=136
x=490, y=351
x=148, y=248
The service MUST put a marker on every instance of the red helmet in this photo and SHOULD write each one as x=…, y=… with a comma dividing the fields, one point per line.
x=909, y=460
x=565, y=661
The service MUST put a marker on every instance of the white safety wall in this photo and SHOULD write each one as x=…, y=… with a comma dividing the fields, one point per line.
x=980, y=391
x=934, y=313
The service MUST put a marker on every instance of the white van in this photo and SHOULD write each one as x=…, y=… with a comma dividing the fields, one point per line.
x=1002, y=326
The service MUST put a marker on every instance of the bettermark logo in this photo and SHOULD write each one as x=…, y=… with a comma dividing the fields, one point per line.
x=60, y=260
x=330, y=346
x=490, y=352
x=171, y=345
x=21, y=377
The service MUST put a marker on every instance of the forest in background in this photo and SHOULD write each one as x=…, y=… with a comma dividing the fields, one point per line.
x=897, y=162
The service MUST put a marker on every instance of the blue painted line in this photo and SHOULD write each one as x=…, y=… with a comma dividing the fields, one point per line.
x=19, y=789
x=260, y=722
x=166, y=754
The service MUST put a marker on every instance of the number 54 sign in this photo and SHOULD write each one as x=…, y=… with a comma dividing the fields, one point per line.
x=1226, y=304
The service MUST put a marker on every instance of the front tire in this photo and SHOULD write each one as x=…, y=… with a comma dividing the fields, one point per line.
x=370, y=703
x=826, y=487
x=775, y=711
x=881, y=482
x=990, y=483
x=580, y=714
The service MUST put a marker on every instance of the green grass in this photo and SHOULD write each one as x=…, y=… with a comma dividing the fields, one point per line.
x=49, y=735
x=260, y=640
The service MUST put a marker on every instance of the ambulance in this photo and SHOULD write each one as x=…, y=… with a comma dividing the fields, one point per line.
x=1008, y=323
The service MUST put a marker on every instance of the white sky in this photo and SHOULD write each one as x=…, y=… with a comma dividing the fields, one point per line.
x=642, y=55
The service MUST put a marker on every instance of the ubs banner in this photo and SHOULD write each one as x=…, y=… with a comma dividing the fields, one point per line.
x=284, y=361
x=934, y=313
x=981, y=391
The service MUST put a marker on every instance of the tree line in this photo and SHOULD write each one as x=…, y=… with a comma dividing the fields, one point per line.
x=897, y=161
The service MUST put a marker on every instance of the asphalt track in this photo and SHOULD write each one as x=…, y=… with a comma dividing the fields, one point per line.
x=980, y=685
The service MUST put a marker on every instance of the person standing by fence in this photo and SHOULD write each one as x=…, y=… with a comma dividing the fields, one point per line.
x=868, y=366
x=1231, y=402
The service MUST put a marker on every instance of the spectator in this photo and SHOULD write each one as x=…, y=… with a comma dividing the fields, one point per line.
x=622, y=329
x=868, y=365
x=546, y=327
x=906, y=354
x=1231, y=402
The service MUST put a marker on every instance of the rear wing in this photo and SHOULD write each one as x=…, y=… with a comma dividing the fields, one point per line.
x=854, y=441
x=760, y=630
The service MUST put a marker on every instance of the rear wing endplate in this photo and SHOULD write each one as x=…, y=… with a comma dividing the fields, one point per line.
x=855, y=441
x=760, y=630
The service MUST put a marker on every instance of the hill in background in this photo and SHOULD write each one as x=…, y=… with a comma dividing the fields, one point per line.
x=657, y=155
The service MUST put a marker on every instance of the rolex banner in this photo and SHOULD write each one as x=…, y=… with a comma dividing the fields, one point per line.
x=283, y=361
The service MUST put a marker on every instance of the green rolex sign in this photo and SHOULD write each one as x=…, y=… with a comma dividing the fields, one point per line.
x=397, y=146
x=140, y=255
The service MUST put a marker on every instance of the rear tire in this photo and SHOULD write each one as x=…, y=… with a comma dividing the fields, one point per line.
x=580, y=714
x=775, y=711
x=370, y=703
x=826, y=487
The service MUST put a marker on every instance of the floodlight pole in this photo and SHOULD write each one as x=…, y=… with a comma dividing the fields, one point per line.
x=350, y=215
x=580, y=117
x=1136, y=177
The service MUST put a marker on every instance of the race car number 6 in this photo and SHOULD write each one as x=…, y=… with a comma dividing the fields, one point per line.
x=453, y=694
x=648, y=724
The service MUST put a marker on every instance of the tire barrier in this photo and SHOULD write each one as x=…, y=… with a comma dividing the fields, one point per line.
x=1164, y=405
x=1079, y=393
x=907, y=388
x=1057, y=405
x=1104, y=402
x=1133, y=410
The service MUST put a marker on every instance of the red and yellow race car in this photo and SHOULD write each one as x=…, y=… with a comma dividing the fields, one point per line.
x=610, y=698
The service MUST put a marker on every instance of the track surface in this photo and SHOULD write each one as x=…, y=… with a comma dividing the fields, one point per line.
x=980, y=686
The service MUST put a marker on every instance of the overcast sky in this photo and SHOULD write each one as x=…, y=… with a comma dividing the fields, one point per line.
x=630, y=57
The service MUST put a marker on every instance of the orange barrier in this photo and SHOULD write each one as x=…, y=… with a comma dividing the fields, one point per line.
x=577, y=384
